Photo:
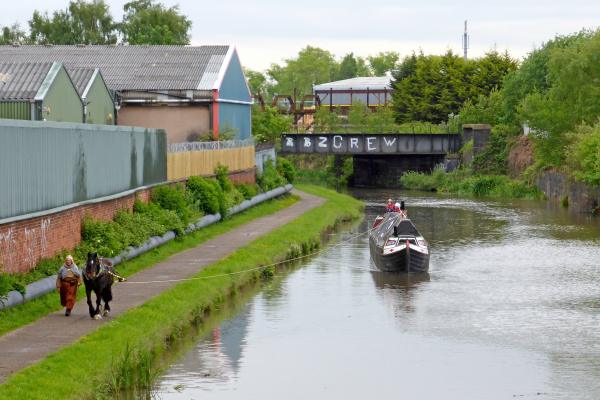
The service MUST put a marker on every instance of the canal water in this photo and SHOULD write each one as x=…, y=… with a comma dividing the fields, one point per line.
x=510, y=309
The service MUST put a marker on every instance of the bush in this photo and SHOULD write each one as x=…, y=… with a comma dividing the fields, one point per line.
x=270, y=178
x=103, y=237
x=222, y=175
x=167, y=219
x=174, y=199
x=208, y=194
x=286, y=169
x=584, y=154
x=248, y=191
x=233, y=197
x=464, y=183
x=5, y=285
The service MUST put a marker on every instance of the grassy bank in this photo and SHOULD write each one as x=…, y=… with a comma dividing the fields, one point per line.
x=121, y=353
x=16, y=317
x=464, y=182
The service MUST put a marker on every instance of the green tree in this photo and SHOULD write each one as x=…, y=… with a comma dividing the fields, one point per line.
x=571, y=99
x=82, y=22
x=268, y=125
x=383, y=62
x=433, y=88
x=13, y=34
x=257, y=81
x=312, y=66
x=351, y=67
x=148, y=22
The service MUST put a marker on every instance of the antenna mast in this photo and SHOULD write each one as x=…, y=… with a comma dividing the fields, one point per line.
x=465, y=42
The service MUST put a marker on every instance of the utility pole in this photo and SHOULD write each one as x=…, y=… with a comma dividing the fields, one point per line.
x=465, y=42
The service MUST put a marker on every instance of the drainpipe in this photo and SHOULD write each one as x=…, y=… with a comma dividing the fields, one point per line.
x=85, y=110
x=215, y=114
x=32, y=110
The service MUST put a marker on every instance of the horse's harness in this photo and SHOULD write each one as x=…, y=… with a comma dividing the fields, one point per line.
x=103, y=269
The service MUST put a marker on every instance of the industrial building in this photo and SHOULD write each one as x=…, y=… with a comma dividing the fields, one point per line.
x=372, y=91
x=185, y=90
x=38, y=91
x=98, y=103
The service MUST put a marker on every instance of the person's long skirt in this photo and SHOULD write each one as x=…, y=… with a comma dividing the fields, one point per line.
x=68, y=293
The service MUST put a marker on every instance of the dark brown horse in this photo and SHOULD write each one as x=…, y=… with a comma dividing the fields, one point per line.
x=98, y=277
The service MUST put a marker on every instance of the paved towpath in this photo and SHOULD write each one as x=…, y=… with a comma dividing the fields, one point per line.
x=32, y=343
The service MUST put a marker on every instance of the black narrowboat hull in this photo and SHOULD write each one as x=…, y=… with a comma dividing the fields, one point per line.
x=400, y=261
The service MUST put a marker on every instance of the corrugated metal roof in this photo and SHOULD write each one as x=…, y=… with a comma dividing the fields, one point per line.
x=143, y=68
x=21, y=81
x=360, y=83
x=81, y=78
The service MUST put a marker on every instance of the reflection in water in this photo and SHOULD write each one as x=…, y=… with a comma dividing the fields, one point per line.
x=509, y=309
x=398, y=288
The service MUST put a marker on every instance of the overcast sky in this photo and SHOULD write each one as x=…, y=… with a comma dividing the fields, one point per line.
x=269, y=31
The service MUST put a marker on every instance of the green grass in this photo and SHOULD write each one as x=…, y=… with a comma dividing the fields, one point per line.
x=464, y=183
x=120, y=354
x=13, y=318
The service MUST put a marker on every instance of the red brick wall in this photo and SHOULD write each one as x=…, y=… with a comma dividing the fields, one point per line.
x=245, y=176
x=24, y=243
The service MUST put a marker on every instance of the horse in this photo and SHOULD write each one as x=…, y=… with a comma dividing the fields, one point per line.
x=98, y=277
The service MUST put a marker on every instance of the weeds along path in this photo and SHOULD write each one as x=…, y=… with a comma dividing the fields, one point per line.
x=32, y=343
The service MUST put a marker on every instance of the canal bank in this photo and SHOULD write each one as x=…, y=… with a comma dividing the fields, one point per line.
x=118, y=353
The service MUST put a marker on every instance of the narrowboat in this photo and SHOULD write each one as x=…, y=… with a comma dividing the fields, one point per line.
x=397, y=246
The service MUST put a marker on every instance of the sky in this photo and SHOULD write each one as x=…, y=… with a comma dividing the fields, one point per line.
x=269, y=31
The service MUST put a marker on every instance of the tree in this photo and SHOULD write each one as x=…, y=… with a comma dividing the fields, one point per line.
x=82, y=22
x=13, y=34
x=383, y=62
x=351, y=67
x=312, y=66
x=268, y=125
x=431, y=88
x=257, y=81
x=148, y=22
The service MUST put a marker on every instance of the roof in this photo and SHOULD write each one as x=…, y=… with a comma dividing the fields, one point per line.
x=359, y=83
x=81, y=78
x=22, y=81
x=137, y=68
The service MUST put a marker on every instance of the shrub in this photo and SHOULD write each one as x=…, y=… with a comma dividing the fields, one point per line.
x=584, y=154
x=222, y=175
x=286, y=169
x=174, y=199
x=248, y=191
x=207, y=193
x=167, y=219
x=102, y=237
x=5, y=285
x=270, y=179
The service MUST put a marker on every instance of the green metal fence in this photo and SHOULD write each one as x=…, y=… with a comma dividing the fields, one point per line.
x=15, y=110
x=44, y=165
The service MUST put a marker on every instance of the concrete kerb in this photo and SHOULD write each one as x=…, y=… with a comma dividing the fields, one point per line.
x=47, y=285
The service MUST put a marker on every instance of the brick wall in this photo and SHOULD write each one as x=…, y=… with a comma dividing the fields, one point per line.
x=245, y=176
x=24, y=243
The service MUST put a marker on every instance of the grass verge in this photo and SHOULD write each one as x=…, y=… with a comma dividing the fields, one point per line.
x=464, y=182
x=16, y=317
x=120, y=354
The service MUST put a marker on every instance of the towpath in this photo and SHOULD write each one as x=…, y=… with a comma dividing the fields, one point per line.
x=32, y=343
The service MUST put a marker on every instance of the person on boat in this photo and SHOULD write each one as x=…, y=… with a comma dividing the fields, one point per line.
x=390, y=206
x=67, y=281
x=401, y=210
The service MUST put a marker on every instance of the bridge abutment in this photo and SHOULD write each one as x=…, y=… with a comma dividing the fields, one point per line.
x=385, y=171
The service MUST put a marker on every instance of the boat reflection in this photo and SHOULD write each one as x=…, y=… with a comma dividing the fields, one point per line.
x=399, y=289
